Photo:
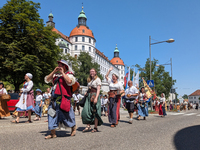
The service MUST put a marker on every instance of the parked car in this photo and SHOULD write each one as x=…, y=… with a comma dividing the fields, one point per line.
x=13, y=101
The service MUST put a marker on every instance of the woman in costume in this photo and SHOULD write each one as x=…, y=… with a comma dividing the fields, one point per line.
x=38, y=105
x=116, y=90
x=26, y=102
x=156, y=105
x=4, y=111
x=91, y=113
x=66, y=79
x=162, y=111
x=142, y=104
x=46, y=96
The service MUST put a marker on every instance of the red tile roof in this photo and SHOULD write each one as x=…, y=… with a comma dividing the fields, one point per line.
x=61, y=34
x=196, y=93
x=101, y=54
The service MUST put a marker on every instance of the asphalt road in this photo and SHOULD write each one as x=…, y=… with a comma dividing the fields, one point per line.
x=176, y=131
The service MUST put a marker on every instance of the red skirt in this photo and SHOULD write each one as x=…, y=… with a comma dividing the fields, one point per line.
x=160, y=110
x=118, y=107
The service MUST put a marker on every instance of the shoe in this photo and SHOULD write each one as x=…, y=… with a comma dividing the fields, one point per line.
x=130, y=121
x=117, y=123
x=50, y=136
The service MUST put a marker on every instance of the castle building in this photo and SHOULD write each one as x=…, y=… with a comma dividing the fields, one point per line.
x=81, y=39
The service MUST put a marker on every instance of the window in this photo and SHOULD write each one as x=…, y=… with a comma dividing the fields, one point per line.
x=76, y=39
x=194, y=97
x=191, y=97
x=65, y=50
x=121, y=77
x=83, y=39
x=75, y=47
x=194, y=101
x=122, y=72
x=89, y=49
x=191, y=101
x=83, y=48
x=83, y=31
x=89, y=40
x=67, y=45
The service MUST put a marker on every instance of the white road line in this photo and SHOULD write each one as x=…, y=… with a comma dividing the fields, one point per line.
x=190, y=114
x=198, y=115
x=177, y=114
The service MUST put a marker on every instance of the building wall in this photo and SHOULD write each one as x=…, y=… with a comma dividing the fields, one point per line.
x=194, y=99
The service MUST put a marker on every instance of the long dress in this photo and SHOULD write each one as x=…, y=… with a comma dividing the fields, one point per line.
x=4, y=111
x=142, y=106
x=91, y=111
x=114, y=105
x=157, y=106
x=162, y=110
x=62, y=117
x=26, y=101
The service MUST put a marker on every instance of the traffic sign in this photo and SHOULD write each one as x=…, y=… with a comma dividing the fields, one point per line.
x=150, y=83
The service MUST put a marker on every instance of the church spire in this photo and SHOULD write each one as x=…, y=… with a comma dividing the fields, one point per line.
x=82, y=18
x=50, y=22
x=116, y=52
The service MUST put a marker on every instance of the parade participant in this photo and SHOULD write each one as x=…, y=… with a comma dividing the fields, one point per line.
x=116, y=90
x=142, y=104
x=62, y=89
x=104, y=103
x=76, y=96
x=156, y=105
x=197, y=106
x=171, y=105
x=184, y=105
x=162, y=111
x=4, y=111
x=130, y=94
x=46, y=96
x=26, y=102
x=91, y=113
x=38, y=105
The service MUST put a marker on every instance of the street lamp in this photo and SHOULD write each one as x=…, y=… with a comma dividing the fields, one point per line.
x=168, y=41
x=171, y=75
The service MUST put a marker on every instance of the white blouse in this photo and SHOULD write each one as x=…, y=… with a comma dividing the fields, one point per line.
x=28, y=88
x=116, y=86
x=38, y=98
x=4, y=91
x=162, y=100
x=131, y=90
x=95, y=83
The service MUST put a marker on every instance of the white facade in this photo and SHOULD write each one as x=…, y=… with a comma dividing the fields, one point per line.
x=77, y=43
x=194, y=99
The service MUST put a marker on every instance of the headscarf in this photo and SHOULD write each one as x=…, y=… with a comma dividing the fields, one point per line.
x=29, y=75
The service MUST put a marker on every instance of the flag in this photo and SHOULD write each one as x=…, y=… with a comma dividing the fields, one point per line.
x=148, y=90
x=136, y=80
x=125, y=79
x=128, y=78
x=133, y=78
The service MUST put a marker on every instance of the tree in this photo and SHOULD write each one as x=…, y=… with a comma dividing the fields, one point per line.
x=86, y=63
x=162, y=79
x=26, y=45
x=185, y=96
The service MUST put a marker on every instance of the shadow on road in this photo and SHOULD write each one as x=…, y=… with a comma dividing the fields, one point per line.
x=187, y=138
x=58, y=133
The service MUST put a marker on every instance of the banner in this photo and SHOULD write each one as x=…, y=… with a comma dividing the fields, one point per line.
x=148, y=90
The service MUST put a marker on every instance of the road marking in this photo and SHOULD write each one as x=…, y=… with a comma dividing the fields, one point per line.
x=198, y=115
x=177, y=114
x=190, y=114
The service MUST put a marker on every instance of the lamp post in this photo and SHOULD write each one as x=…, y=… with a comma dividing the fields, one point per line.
x=168, y=41
x=171, y=76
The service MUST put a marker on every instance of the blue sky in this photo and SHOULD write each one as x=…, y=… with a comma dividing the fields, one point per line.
x=129, y=23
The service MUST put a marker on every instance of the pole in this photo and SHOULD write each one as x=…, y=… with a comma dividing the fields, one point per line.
x=150, y=64
x=172, y=81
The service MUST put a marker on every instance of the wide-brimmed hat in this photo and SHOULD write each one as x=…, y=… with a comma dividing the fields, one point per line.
x=38, y=90
x=68, y=64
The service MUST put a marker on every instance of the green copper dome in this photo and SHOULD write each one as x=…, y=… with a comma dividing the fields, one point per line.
x=50, y=15
x=82, y=14
x=116, y=49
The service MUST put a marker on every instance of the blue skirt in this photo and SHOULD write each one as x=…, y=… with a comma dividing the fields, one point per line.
x=67, y=118
x=143, y=111
x=38, y=109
